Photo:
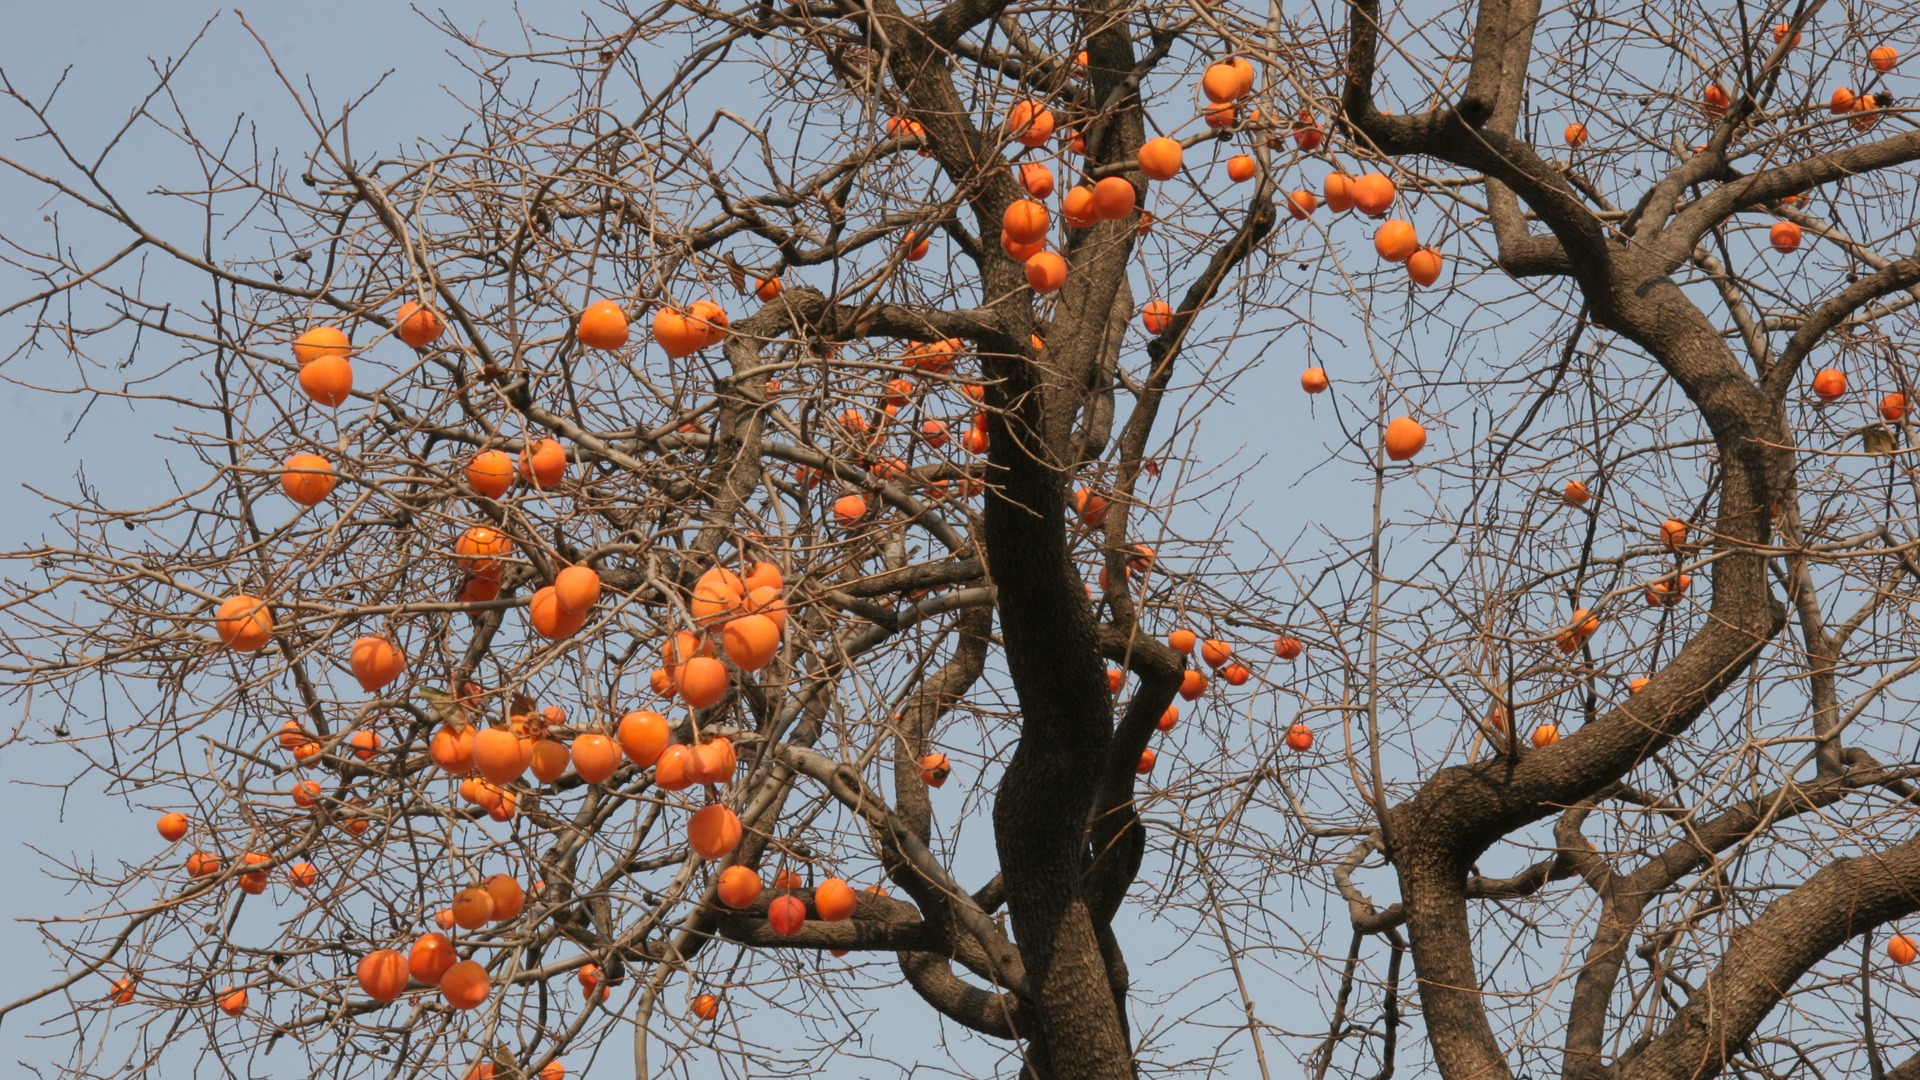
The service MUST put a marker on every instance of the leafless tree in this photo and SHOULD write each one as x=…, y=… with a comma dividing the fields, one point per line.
x=1586, y=748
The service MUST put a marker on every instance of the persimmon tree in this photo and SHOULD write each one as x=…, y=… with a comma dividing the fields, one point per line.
x=603, y=529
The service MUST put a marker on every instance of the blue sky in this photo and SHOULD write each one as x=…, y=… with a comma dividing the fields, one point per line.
x=1273, y=472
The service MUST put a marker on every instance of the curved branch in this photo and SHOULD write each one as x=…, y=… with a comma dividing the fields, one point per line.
x=1764, y=959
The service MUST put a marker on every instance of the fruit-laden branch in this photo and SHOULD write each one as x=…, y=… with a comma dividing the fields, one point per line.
x=1770, y=185
x=1891, y=278
x=1457, y=135
x=999, y=960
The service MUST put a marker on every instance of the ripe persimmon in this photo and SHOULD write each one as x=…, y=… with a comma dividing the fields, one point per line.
x=173, y=826
x=934, y=770
x=834, y=900
x=676, y=333
x=1159, y=158
x=1076, y=206
x=595, y=757
x=786, y=915
x=328, y=380
x=709, y=321
x=751, y=641
x=509, y=899
x=1156, y=316
x=738, y=886
x=713, y=831
x=1037, y=179
x=365, y=744
x=702, y=681
x=431, y=956
x=244, y=623
x=1404, y=438
x=1030, y=122
x=1424, y=266
x=1338, y=189
x=490, y=473
x=307, y=478
x=1308, y=135
x=549, y=619
x=383, y=974
x=717, y=596
x=849, y=509
x=1830, y=384
x=497, y=754
x=472, y=908
x=576, y=588
x=478, y=550
x=1215, y=652
x=1373, y=194
x=321, y=341
x=1091, y=506
x=452, y=750
x=1714, y=101
x=1395, y=241
x=376, y=662
x=1026, y=221
x=418, y=325
x=644, y=735
x=1222, y=82
x=674, y=769
x=544, y=463
x=1047, y=271
x=602, y=326
x=713, y=761
x=1193, y=684
x=550, y=759
x=466, y=985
